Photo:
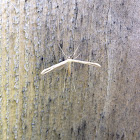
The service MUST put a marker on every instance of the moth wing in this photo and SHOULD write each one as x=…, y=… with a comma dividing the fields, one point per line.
x=54, y=67
x=86, y=63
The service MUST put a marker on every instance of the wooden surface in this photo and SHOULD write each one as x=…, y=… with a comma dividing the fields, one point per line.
x=90, y=104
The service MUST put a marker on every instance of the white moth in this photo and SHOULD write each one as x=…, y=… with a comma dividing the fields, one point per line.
x=68, y=61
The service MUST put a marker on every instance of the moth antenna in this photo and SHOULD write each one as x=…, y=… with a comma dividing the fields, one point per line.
x=62, y=51
x=76, y=50
x=77, y=56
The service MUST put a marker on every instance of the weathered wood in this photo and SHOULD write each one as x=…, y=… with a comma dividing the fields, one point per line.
x=93, y=103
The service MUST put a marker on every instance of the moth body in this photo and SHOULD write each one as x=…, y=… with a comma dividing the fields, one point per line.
x=68, y=62
x=69, y=67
